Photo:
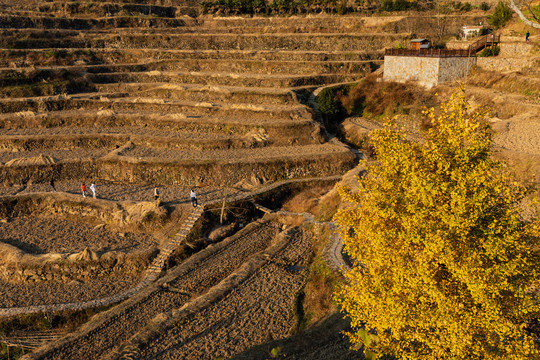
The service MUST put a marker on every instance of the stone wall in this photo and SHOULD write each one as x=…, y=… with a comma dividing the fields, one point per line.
x=506, y=64
x=454, y=68
x=131, y=170
x=426, y=71
x=516, y=48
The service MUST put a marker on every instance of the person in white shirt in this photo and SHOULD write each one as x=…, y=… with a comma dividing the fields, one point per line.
x=93, y=188
x=193, y=198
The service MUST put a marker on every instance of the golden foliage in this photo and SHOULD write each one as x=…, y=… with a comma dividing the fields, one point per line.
x=444, y=266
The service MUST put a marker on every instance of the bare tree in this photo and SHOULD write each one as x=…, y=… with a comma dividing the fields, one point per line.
x=523, y=18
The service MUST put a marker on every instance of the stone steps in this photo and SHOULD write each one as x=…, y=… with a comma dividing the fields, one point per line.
x=199, y=93
x=290, y=131
x=192, y=141
x=174, y=21
x=34, y=3
x=230, y=155
x=24, y=21
x=140, y=164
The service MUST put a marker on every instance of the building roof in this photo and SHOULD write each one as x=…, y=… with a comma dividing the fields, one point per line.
x=418, y=40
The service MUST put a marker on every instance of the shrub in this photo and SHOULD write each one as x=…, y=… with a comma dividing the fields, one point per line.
x=396, y=5
x=492, y=51
x=327, y=102
x=500, y=16
x=484, y=6
x=466, y=7
x=373, y=98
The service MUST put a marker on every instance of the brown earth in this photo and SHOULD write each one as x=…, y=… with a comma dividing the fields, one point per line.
x=43, y=235
x=44, y=293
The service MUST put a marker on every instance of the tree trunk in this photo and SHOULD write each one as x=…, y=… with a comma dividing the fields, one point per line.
x=514, y=7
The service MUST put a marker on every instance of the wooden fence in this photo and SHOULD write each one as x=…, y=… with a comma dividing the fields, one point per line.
x=430, y=52
x=483, y=42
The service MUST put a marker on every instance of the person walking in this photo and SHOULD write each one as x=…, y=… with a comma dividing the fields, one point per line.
x=83, y=189
x=52, y=184
x=193, y=196
x=156, y=193
x=527, y=36
x=93, y=188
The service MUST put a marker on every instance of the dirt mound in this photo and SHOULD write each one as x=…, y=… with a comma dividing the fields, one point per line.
x=85, y=255
x=36, y=160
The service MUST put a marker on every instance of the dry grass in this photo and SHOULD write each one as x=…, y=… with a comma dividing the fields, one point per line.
x=316, y=297
x=312, y=200
x=516, y=83
x=372, y=98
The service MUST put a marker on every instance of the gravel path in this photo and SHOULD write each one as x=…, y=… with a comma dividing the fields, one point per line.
x=246, y=316
x=45, y=293
x=184, y=282
x=52, y=235
x=123, y=192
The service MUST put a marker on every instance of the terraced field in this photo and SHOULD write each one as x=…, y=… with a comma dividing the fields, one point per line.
x=160, y=90
x=138, y=95
x=179, y=286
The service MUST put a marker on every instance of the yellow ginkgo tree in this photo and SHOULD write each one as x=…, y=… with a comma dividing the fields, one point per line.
x=445, y=266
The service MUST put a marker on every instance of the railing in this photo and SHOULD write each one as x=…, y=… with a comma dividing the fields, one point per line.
x=430, y=52
x=485, y=41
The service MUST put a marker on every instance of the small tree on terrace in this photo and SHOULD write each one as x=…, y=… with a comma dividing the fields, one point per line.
x=444, y=262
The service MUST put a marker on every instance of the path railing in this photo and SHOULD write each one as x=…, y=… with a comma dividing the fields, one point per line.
x=485, y=41
x=430, y=52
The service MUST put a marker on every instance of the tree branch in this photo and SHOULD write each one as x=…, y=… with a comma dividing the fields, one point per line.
x=521, y=16
x=528, y=5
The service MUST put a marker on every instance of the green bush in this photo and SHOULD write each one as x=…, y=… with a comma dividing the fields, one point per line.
x=328, y=104
x=396, y=5
x=484, y=6
x=500, y=16
x=492, y=51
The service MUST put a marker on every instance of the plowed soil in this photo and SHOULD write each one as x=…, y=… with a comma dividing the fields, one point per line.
x=45, y=293
x=47, y=235
x=258, y=310
x=184, y=282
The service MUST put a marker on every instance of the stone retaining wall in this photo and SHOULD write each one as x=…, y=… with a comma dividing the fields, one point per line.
x=506, y=63
x=427, y=71
x=516, y=49
x=131, y=170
